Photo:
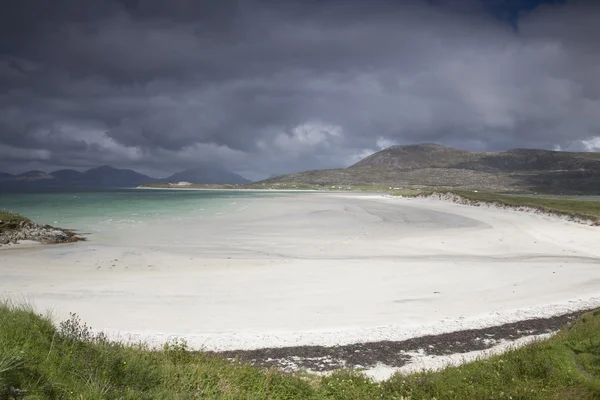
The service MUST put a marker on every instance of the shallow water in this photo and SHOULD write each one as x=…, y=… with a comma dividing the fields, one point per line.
x=91, y=210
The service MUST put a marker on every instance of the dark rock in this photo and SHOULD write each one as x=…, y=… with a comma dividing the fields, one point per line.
x=27, y=230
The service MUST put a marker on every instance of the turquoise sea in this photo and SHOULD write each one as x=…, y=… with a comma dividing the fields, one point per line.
x=89, y=210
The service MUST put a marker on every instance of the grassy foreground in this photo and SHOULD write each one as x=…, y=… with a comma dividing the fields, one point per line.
x=40, y=361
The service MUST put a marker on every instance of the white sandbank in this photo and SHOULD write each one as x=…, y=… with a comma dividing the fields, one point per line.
x=314, y=268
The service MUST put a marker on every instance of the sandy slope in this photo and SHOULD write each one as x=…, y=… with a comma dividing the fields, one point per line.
x=315, y=269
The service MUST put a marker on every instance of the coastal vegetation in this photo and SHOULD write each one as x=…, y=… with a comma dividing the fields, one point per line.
x=39, y=360
x=15, y=227
x=10, y=221
x=576, y=208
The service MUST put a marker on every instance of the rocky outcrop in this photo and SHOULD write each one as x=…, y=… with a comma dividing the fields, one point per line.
x=28, y=230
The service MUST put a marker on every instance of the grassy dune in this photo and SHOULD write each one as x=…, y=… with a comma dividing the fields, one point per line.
x=570, y=206
x=41, y=361
x=573, y=207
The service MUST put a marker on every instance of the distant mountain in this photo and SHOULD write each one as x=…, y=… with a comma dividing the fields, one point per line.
x=109, y=176
x=425, y=155
x=27, y=180
x=68, y=175
x=207, y=175
x=101, y=176
x=4, y=177
x=106, y=176
x=33, y=176
x=517, y=160
x=433, y=165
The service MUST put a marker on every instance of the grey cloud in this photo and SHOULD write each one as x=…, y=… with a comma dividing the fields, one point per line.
x=271, y=87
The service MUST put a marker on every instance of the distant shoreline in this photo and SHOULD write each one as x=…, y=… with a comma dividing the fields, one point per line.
x=230, y=190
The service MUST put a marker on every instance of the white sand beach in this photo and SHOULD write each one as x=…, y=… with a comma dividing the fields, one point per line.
x=314, y=268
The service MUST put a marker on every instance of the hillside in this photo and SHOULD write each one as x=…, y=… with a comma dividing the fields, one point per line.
x=68, y=175
x=109, y=176
x=432, y=165
x=437, y=156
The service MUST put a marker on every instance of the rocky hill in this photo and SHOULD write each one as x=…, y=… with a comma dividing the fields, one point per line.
x=433, y=165
x=437, y=156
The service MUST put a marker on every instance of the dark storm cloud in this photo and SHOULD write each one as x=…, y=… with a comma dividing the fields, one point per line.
x=275, y=86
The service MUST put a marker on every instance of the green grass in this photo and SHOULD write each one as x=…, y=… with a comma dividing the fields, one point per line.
x=10, y=221
x=581, y=208
x=41, y=361
x=7, y=217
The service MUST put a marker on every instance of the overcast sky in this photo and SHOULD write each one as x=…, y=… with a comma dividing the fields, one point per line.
x=274, y=86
